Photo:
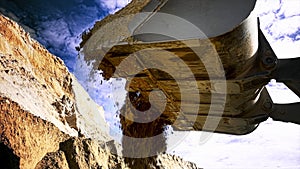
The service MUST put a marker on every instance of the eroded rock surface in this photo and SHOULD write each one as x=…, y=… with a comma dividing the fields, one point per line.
x=41, y=84
x=33, y=77
x=25, y=138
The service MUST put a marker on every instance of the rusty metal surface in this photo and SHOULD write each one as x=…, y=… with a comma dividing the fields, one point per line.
x=238, y=51
x=240, y=90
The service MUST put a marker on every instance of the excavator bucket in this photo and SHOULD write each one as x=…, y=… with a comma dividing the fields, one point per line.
x=201, y=64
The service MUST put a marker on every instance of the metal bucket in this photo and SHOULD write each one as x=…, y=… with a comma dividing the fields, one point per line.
x=225, y=94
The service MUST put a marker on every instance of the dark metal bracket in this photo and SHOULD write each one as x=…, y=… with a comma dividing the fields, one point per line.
x=282, y=70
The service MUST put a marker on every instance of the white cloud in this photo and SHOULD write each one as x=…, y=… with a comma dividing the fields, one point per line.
x=290, y=7
x=279, y=19
x=271, y=145
x=113, y=5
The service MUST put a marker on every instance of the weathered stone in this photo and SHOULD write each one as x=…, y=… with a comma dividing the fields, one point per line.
x=33, y=77
x=56, y=160
x=86, y=153
x=40, y=83
x=25, y=137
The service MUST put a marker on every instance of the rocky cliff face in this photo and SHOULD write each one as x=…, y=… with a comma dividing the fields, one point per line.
x=43, y=108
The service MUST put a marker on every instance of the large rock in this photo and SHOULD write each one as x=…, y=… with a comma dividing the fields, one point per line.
x=25, y=138
x=43, y=108
x=34, y=78
x=41, y=84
